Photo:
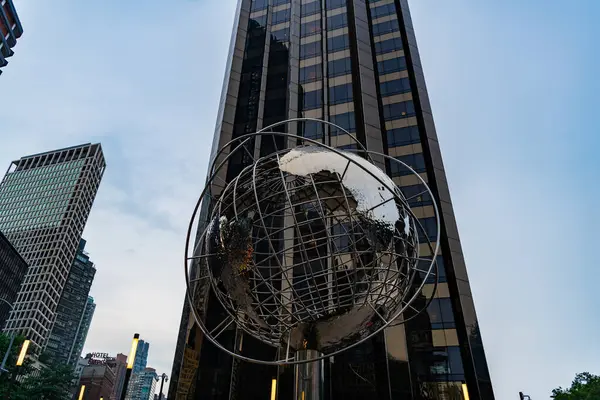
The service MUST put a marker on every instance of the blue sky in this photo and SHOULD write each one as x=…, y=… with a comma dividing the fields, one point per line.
x=513, y=85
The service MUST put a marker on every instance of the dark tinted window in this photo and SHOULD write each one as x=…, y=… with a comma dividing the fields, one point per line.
x=380, y=11
x=424, y=265
x=311, y=73
x=403, y=136
x=440, y=314
x=310, y=28
x=310, y=8
x=393, y=65
x=339, y=67
x=398, y=110
x=389, y=45
x=340, y=94
x=331, y=4
x=415, y=161
x=281, y=16
x=346, y=121
x=338, y=43
x=429, y=224
x=396, y=86
x=262, y=21
x=385, y=27
x=312, y=99
x=337, y=21
x=283, y=35
x=280, y=2
x=259, y=5
x=311, y=129
x=310, y=50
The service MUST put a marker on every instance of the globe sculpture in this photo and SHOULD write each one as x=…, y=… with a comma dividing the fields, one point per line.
x=308, y=248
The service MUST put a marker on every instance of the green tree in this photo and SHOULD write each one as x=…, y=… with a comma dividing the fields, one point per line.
x=51, y=382
x=54, y=382
x=585, y=386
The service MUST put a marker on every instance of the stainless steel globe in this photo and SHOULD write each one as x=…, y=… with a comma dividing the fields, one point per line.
x=309, y=247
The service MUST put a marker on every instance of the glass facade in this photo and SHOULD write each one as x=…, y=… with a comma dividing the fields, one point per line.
x=12, y=271
x=74, y=312
x=45, y=200
x=142, y=385
x=141, y=356
x=10, y=30
x=354, y=63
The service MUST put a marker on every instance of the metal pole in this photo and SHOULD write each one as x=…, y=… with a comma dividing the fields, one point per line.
x=162, y=382
x=12, y=339
x=127, y=377
x=308, y=377
x=130, y=363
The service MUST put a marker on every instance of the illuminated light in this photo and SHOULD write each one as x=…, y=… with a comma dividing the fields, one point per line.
x=465, y=391
x=302, y=395
x=81, y=392
x=134, y=344
x=23, y=353
x=273, y=388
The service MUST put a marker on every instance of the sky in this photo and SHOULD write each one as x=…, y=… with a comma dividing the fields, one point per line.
x=513, y=86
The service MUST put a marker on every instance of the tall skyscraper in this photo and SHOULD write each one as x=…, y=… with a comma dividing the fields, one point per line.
x=11, y=30
x=12, y=271
x=354, y=63
x=75, y=311
x=45, y=200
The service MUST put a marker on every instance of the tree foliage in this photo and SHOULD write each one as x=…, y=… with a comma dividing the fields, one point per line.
x=51, y=382
x=585, y=386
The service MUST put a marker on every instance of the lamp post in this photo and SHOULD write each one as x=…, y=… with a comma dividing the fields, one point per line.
x=163, y=378
x=130, y=362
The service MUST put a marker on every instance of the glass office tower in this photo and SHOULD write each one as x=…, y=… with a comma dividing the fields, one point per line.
x=45, y=200
x=354, y=63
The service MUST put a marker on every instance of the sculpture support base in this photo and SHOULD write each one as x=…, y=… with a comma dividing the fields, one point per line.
x=309, y=376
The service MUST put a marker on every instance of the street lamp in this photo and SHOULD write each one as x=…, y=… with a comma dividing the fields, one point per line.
x=81, y=392
x=164, y=378
x=23, y=352
x=130, y=362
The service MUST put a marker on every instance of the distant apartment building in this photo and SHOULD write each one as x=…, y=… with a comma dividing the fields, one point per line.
x=142, y=385
x=99, y=380
x=45, y=200
x=141, y=357
x=12, y=271
x=10, y=29
x=119, y=365
x=75, y=311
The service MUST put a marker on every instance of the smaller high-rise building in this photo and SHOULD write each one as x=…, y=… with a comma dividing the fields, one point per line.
x=141, y=357
x=12, y=271
x=142, y=385
x=74, y=312
x=84, y=326
x=11, y=30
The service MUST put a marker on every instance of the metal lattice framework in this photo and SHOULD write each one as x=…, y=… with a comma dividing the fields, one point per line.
x=306, y=245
